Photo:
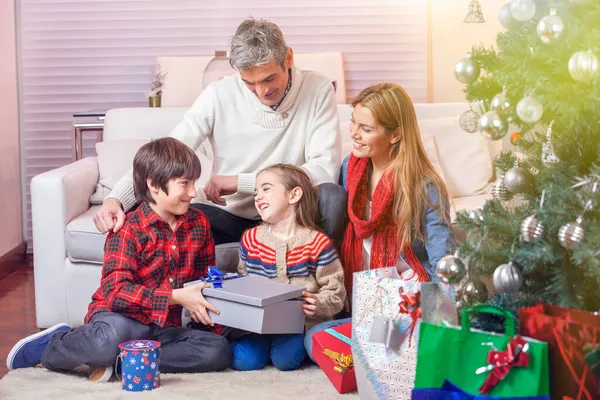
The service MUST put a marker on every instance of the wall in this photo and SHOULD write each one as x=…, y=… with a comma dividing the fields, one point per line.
x=451, y=39
x=10, y=180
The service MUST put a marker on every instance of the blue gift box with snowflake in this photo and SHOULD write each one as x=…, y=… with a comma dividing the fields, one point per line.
x=140, y=361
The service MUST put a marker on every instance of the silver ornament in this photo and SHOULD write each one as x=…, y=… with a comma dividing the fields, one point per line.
x=479, y=106
x=532, y=229
x=550, y=27
x=549, y=157
x=571, y=233
x=469, y=121
x=467, y=70
x=583, y=66
x=522, y=10
x=492, y=126
x=474, y=292
x=476, y=214
x=499, y=191
x=450, y=269
x=500, y=104
x=506, y=18
x=508, y=278
x=518, y=180
x=530, y=110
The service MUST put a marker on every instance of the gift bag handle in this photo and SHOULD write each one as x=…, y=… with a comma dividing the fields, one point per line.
x=509, y=319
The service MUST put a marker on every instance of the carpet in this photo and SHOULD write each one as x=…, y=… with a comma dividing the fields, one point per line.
x=307, y=383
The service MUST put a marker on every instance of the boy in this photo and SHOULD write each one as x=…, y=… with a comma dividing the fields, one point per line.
x=163, y=244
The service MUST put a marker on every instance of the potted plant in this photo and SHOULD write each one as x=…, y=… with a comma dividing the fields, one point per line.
x=158, y=77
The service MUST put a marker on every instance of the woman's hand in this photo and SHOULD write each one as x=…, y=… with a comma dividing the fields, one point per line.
x=311, y=302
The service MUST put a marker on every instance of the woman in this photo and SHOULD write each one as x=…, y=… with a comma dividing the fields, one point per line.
x=398, y=205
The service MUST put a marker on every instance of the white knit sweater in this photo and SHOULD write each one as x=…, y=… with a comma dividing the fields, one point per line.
x=247, y=136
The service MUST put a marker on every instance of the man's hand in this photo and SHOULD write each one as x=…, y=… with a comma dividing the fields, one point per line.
x=110, y=216
x=220, y=185
x=191, y=299
x=311, y=303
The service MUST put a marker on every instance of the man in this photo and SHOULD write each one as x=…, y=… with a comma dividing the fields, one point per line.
x=270, y=112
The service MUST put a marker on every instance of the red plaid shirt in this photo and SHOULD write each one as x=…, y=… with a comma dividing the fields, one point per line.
x=146, y=260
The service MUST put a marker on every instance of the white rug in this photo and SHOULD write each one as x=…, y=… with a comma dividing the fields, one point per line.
x=307, y=383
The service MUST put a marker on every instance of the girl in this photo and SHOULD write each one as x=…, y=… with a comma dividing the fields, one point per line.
x=398, y=205
x=288, y=248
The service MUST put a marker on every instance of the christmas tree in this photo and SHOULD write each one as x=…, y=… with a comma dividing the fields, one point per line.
x=539, y=238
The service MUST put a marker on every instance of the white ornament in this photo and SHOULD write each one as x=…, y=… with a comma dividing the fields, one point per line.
x=522, y=10
x=584, y=65
x=550, y=27
x=530, y=110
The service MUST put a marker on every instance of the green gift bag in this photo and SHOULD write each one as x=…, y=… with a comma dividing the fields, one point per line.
x=471, y=359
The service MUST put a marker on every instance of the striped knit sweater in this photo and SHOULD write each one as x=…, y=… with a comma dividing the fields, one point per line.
x=307, y=259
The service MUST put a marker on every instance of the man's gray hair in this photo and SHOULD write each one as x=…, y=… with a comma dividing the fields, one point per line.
x=256, y=43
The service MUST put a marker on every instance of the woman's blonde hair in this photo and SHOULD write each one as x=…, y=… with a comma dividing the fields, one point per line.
x=307, y=210
x=409, y=165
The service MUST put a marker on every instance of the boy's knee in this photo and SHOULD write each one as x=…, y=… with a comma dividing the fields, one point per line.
x=105, y=344
x=220, y=354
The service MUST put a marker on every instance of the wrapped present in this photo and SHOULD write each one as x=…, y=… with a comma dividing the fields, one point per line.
x=387, y=312
x=332, y=351
x=483, y=364
x=253, y=304
x=449, y=391
x=573, y=337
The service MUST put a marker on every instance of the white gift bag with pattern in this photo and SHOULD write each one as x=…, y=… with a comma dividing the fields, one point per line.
x=386, y=315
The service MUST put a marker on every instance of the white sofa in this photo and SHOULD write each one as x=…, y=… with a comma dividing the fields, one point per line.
x=68, y=249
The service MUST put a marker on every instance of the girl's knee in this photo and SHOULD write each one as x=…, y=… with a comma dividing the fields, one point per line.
x=249, y=355
x=289, y=354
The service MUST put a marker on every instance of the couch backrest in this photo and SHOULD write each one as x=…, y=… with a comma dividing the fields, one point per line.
x=465, y=159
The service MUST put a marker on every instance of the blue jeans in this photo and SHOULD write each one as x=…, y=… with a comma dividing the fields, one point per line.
x=333, y=217
x=97, y=344
x=253, y=351
x=308, y=342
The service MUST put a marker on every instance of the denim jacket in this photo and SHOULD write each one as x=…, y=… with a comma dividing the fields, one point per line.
x=439, y=236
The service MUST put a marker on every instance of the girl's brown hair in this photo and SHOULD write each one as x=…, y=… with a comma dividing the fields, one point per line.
x=307, y=211
x=409, y=165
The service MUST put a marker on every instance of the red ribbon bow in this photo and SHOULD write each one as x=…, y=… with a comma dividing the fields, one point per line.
x=501, y=362
x=411, y=305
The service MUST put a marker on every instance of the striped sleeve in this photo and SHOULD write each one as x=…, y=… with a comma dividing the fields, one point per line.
x=329, y=275
x=242, y=267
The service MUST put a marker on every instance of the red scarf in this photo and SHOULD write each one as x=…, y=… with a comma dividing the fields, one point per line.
x=381, y=226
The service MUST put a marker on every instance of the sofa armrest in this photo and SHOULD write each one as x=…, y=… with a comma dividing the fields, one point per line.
x=57, y=197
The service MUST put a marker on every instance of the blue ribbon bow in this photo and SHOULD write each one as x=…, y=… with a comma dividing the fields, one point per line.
x=216, y=277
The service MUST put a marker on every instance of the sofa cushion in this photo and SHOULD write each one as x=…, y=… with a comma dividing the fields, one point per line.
x=464, y=157
x=467, y=203
x=83, y=241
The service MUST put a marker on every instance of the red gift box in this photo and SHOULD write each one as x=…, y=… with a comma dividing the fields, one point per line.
x=342, y=377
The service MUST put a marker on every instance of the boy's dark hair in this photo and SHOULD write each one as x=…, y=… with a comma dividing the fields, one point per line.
x=160, y=161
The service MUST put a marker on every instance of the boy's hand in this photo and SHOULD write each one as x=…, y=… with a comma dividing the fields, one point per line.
x=311, y=303
x=191, y=299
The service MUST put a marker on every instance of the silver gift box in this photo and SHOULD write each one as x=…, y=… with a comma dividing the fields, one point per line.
x=256, y=305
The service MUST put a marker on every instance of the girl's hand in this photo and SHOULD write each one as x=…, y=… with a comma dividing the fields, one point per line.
x=311, y=302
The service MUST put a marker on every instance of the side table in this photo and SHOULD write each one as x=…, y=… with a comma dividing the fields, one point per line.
x=90, y=121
